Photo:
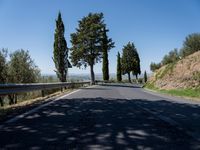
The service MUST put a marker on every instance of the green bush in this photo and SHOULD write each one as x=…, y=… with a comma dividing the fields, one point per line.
x=154, y=66
x=191, y=44
x=171, y=57
x=21, y=68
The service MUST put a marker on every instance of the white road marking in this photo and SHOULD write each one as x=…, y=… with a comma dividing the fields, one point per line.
x=40, y=107
x=36, y=109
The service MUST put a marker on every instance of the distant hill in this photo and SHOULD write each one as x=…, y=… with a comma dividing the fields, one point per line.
x=182, y=74
x=84, y=77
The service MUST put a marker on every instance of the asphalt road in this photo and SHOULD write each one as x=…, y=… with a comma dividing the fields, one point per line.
x=108, y=117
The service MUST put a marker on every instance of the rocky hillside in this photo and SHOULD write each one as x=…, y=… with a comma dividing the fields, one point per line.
x=180, y=75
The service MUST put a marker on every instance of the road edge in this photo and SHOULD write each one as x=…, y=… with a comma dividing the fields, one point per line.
x=16, y=118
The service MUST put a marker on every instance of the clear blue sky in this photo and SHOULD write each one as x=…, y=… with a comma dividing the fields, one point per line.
x=155, y=26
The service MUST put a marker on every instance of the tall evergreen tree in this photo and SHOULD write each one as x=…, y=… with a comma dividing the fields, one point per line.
x=119, y=68
x=145, y=76
x=128, y=59
x=136, y=71
x=87, y=42
x=107, y=44
x=60, y=53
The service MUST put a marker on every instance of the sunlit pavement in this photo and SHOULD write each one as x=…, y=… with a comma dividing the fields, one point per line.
x=112, y=116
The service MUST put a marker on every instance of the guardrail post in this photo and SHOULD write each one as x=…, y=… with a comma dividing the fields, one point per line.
x=43, y=94
x=1, y=101
x=61, y=89
x=15, y=98
x=11, y=99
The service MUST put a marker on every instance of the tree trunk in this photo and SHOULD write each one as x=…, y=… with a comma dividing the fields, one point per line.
x=63, y=77
x=129, y=77
x=136, y=77
x=105, y=68
x=92, y=74
x=15, y=98
x=11, y=99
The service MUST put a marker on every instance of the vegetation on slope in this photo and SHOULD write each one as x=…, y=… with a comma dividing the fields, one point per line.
x=179, y=71
x=181, y=78
x=191, y=45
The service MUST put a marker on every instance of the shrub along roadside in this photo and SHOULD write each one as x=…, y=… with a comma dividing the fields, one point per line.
x=9, y=111
x=20, y=107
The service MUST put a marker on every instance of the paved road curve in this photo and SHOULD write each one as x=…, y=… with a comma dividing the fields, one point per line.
x=113, y=116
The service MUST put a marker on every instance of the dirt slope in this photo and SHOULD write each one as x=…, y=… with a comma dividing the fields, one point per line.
x=183, y=74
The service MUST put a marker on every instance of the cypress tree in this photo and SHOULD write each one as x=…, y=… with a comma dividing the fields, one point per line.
x=107, y=44
x=60, y=52
x=145, y=76
x=119, y=68
x=136, y=71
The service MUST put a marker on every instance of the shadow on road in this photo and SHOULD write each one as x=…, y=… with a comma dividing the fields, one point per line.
x=97, y=124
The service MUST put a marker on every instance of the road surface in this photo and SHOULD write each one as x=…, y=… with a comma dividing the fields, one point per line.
x=107, y=117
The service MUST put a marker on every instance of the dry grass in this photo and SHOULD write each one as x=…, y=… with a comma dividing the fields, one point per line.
x=184, y=74
x=12, y=110
x=189, y=94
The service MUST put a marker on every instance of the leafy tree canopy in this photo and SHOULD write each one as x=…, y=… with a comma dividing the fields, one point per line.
x=87, y=42
x=171, y=57
x=21, y=68
x=155, y=66
x=3, y=65
x=129, y=60
x=191, y=44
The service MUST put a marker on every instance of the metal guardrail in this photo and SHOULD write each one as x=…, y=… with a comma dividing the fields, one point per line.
x=7, y=89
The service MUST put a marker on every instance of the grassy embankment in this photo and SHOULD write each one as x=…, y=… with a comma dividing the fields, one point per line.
x=186, y=93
